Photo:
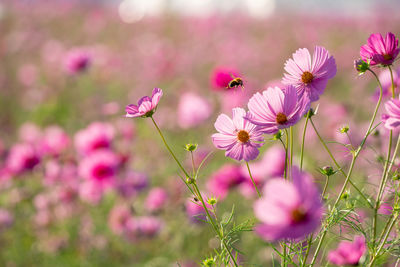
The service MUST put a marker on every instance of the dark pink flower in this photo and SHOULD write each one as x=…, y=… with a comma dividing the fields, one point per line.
x=310, y=75
x=221, y=76
x=239, y=137
x=348, y=253
x=289, y=210
x=97, y=135
x=100, y=167
x=76, y=61
x=379, y=50
x=224, y=179
x=146, y=105
x=22, y=157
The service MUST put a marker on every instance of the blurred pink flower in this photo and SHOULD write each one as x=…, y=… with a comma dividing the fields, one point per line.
x=110, y=108
x=97, y=135
x=146, y=106
x=91, y=192
x=27, y=74
x=289, y=210
x=195, y=211
x=6, y=219
x=156, y=199
x=271, y=165
x=192, y=110
x=149, y=226
x=54, y=141
x=379, y=50
x=392, y=118
x=221, y=76
x=224, y=179
x=310, y=75
x=22, y=157
x=386, y=82
x=100, y=167
x=276, y=109
x=77, y=60
x=239, y=137
x=233, y=98
x=29, y=133
x=348, y=253
x=118, y=219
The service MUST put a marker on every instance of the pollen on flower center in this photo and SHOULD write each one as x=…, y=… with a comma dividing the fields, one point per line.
x=243, y=136
x=298, y=215
x=281, y=118
x=307, y=77
x=387, y=57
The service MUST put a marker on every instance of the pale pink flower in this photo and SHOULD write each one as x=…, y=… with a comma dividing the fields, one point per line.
x=156, y=199
x=118, y=219
x=146, y=105
x=54, y=141
x=239, y=137
x=348, y=253
x=192, y=110
x=289, y=210
x=276, y=109
x=392, y=118
x=310, y=75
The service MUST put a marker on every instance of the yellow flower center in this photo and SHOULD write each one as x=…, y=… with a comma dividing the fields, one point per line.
x=243, y=136
x=307, y=77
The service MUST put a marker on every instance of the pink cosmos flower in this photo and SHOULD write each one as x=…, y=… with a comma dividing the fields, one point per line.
x=239, y=137
x=6, y=219
x=392, y=118
x=386, y=82
x=221, y=76
x=22, y=157
x=146, y=105
x=100, y=167
x=289, y=210
x=149, y=226
x=156, y=199
x=224, y=179
x=54, y=141
x=276, y=109
x=348, y=253
x=132, y=183
x=118, y=218
x=310, y=75
x=192, y=110
x=379, y=50
x=91, y=192
x=97, y=135
x=77, y=61
x=195, y=210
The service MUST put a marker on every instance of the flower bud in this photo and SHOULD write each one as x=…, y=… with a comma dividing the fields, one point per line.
x=278, y=135
x=212, y=201
x=190, y=180
x=327, y=171
x=344, y=129
x=361, y=66
x=396, y=176
x=208, y=262
x=345, y=195
x=191, y=147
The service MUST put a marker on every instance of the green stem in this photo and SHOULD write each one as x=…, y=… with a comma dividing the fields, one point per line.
x=393, y=86
x=286, y=155
x=302, y=143
x=252, y=180
x=325, y=187
x=355, y=156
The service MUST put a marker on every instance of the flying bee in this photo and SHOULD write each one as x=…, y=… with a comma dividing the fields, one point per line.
x=235, y=82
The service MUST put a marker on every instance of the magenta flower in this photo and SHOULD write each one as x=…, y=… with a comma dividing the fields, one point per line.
x=392, y=118
x=96, y=136
x=289, y=210
x=100, y=168
x=146, y=106
x=21, y=158
x=348, y=253
x=379, y=50
x=76, y=61
x=276, y=109
x=224, y=179
x=221, y=76
x=239, y=137
x=310, y=75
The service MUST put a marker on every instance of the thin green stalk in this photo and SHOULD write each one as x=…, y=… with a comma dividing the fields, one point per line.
x=325, y=187
x=391, y=77
x=251, y=177
x=285, y=148
x=355, y=155
x=286, y=155
x=193, y=165
x=340, y=169
x=291, y=130
x=196, y=189
x=302, y=143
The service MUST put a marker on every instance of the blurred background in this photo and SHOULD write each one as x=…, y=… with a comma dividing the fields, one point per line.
x=68, y=69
